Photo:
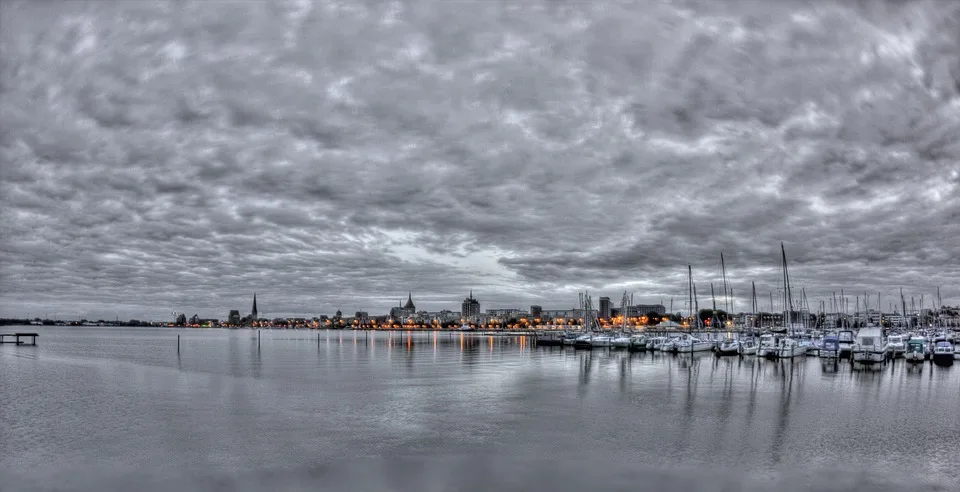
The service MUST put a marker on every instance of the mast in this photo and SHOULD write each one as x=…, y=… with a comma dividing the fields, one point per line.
x=726, y=299
x=713, y=315
x=690, y=287
x=696, y=306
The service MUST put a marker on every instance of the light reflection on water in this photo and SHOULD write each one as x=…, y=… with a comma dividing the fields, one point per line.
x=109, y=409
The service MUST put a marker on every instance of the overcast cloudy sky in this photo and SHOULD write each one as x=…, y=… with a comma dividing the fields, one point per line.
x=178, y=156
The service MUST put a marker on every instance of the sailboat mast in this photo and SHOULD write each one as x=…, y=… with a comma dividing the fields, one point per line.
x=723, y=271
x=690, y=288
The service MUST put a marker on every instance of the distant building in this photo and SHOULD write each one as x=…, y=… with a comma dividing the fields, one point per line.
x=181, y=320
x=504, y=313
x=234, y=317
x=470, y=307
x=404, y=310
x=195, y=319
x=643, y=309
x=605, y=307
x=536, y=311
x=253, y=312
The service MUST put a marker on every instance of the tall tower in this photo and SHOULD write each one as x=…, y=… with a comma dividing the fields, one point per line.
x=253, y=312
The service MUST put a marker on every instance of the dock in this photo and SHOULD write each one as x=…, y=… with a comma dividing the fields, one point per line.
x=17, y=338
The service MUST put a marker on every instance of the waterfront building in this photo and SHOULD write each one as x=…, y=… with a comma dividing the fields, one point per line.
x=234, y=317
x=536, y=311
x=605, y=307
x=181, y=320
x=470, y=307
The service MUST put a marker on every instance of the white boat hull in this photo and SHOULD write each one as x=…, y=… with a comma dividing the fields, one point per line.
x=868, y=357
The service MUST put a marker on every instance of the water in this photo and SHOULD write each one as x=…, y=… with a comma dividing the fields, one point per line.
x=119, y=409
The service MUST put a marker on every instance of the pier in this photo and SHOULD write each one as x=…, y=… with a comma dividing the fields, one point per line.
x=17, y=338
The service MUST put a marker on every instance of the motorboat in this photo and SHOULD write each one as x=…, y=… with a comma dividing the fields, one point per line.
x=846, y=339
x=729, y=347
x=943, y=353
x=768, y=346
x=896, y=346
x=916, y=350
x=638, y=343
x=869, y=347
x=830, y=347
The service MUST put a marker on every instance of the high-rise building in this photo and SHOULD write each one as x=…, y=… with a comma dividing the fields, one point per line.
x=470, y=306
x=604, y=307
x=536, y=311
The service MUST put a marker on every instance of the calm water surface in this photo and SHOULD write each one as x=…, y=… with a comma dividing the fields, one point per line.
x=119, y=409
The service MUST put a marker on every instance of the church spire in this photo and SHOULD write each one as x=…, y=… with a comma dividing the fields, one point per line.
x=471, y=293
x=409, y=304
x=254, y=311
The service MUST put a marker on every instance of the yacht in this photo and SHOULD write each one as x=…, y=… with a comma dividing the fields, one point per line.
x=692, y=344
x=790, y=348
x=916, y=350
x=638, y=343
x=869, y=347
x=620, y=341
x=767, y=347
x=656, y=343
x=830, y=347
x=729, y=347
x=846, y=340
x=748, y=347
x=943, y=353
x=896, y=346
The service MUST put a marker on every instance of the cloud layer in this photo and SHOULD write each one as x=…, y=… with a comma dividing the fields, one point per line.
x=179, y=156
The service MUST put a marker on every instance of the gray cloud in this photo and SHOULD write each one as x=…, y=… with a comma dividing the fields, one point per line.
x=181, y=155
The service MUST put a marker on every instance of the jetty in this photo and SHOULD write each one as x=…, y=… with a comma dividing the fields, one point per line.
x=17, y=338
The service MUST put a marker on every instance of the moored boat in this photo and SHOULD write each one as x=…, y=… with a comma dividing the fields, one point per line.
x=943, y=353
x=729, y=347
x=638, y=343
x=896, y=346
x=790, y=348
x=830, y=347
x=748, y=347
x=869, y=348
x=916, y=350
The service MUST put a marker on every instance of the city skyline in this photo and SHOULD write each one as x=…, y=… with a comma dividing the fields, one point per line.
x=160, y=157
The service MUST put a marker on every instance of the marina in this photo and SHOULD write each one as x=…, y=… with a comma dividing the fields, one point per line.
x=349, y=410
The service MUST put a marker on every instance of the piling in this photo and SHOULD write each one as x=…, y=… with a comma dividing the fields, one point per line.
x=178, y=344
x=258, y=339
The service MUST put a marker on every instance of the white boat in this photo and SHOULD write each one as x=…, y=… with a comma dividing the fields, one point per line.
x=748, y=347
x=869, y=347
x=767, y=347
x=655, y=343
x=790, y=348
x=692, y=344
x=620, y=341
x=729, y=347
x=896, y=346
x=638, y=343
x=668, y=345
x=943, y=353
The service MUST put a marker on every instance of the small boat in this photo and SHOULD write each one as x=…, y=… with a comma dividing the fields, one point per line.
x=692, y=344
x=896, y=346
x=869, y=348
x=768, y=346
x=830, y=347
x=846, y=338
x=790, y=348
x=729, y=347
x=655, y=343
x=916, y=350
x=620, y=341
x=638, y=343
x=943, y=353
x=748, y=347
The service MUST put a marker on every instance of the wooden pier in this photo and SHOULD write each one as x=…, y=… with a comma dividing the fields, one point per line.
x=17, y=338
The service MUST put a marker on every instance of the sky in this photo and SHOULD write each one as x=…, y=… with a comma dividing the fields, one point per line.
x=162, y=157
